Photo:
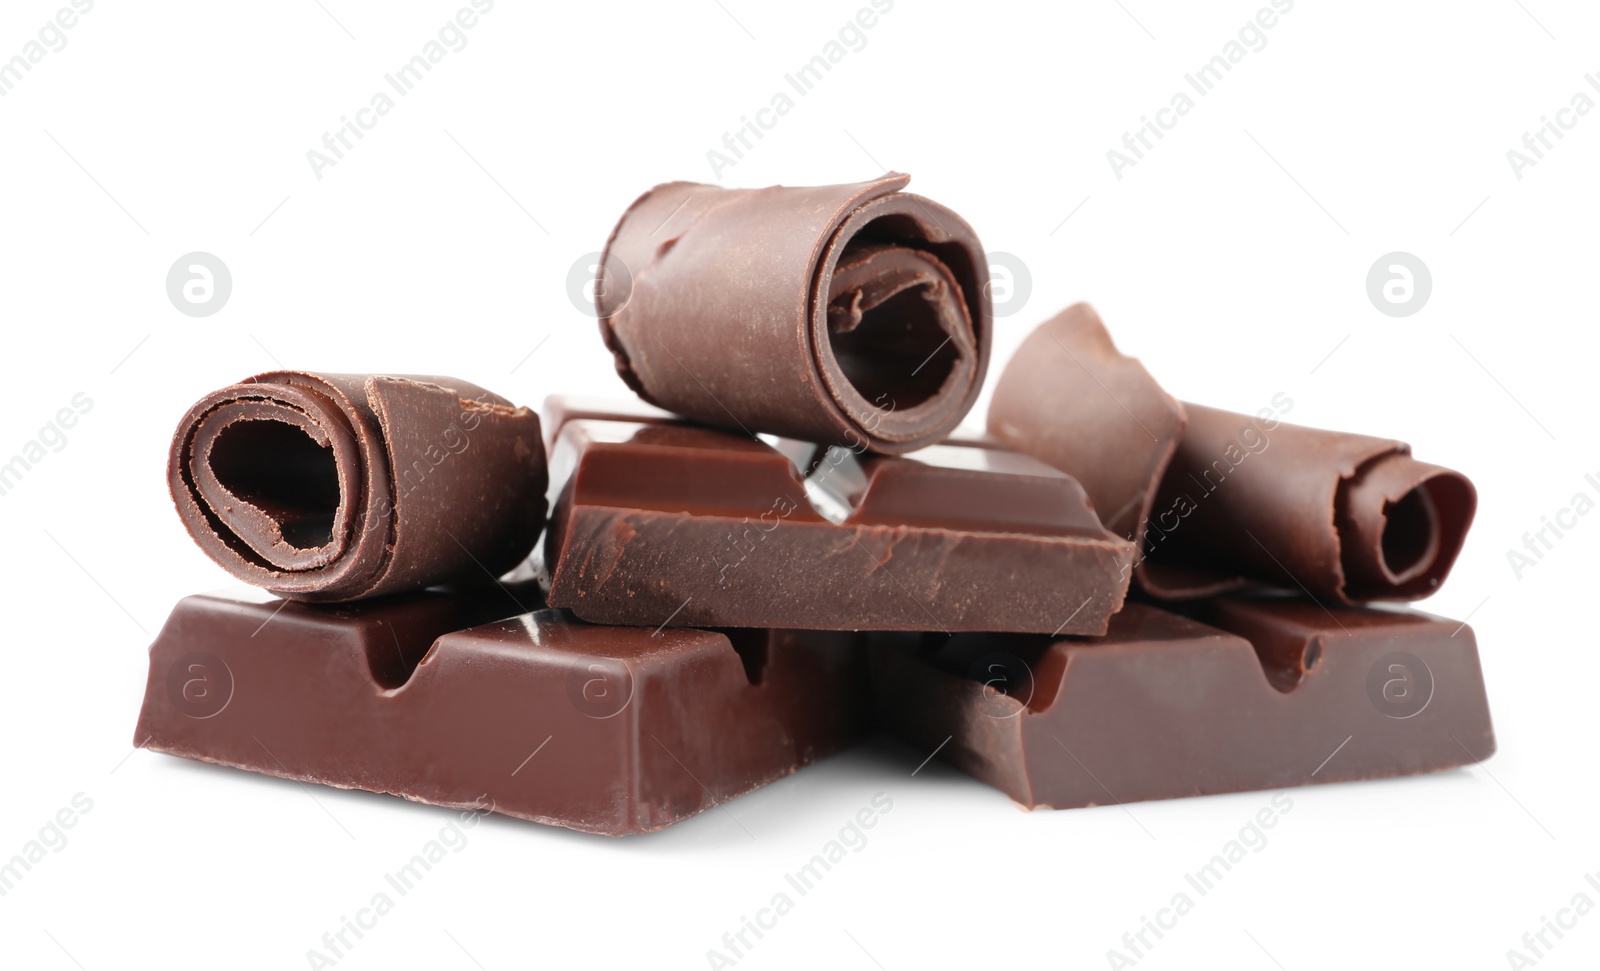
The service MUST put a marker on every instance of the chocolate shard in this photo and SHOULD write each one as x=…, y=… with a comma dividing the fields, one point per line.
x=1218, y=501
x=670, y=522
x=828, y=314
x=1278, y=693
x=1070, y=399
x=330, y=487
x=534, y=714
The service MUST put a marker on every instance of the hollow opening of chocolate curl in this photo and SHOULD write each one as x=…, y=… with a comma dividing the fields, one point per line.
x=899, y=355
x=279, y=469
x=1410, y=533
x=900, y=318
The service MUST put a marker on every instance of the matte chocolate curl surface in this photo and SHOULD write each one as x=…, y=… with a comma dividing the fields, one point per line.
x=330, y=487
x=836, y=314
x=1219, y=501
x=1351, y=517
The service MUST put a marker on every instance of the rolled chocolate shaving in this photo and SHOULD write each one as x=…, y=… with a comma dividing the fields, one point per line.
x=1401, y=524
x=330, y=487
x=836, y=314
x=1069, y=398
x=1219, y=501
x=1349, y=517
x=1388, y=523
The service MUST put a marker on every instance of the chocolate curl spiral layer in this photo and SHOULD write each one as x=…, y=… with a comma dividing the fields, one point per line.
x=1218, y=501
x=330, y=487
x=837, y=314
x=1345, y=516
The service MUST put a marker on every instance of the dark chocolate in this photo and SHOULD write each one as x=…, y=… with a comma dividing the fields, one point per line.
x=670, y=522
x=1279, y=692
x=538, y=715
x=838, y=314
x=327, y=487
x=1345, y=517
x=1218, y=501
x=559, y=408
x=1069, y=398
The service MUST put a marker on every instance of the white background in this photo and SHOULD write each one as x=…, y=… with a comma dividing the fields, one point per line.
x=1232, y=260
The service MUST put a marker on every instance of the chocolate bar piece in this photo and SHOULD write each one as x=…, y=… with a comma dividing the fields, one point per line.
x=1266, y=693
x=1218, y=501
x=673, y=523
x=844, y=314
x=609, y=730
x=328, y=487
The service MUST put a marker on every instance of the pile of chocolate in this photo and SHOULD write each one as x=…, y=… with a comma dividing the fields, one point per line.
x=1112, y=596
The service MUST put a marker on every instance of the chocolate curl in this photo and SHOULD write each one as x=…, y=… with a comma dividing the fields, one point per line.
x=1070, y=399
x=1401, y=524
x=840, y=314
x=1347, y=517
x=1219, y=501
x=331, y=487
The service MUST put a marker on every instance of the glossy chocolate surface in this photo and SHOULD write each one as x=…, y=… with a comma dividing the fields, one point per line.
x=484, y=699
x=1267, y=693
x=659, y=522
